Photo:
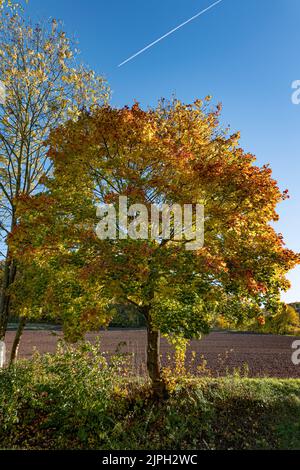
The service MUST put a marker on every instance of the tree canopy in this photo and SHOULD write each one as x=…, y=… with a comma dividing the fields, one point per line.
x=174, y=154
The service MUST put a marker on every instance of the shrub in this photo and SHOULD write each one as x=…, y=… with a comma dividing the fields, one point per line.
x=78, y=399
x=66, y=395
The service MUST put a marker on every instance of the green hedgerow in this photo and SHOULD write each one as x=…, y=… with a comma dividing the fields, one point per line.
x=78, y=398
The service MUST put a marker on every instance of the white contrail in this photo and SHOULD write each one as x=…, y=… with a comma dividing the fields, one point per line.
x=170, y=32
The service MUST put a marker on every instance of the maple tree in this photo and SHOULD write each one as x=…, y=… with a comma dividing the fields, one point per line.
x=45, y=85
x=175, y=153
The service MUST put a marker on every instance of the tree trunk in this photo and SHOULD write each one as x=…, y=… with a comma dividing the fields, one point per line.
x=16, y=343
x=8, y=278
x=2, y=354
x=153, y=361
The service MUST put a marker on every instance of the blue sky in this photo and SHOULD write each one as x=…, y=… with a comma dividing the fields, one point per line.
x=243, y=52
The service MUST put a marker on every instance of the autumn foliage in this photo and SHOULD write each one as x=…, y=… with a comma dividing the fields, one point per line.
x=175, y=153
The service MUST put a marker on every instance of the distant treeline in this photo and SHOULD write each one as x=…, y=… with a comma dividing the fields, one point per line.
x=126, y=316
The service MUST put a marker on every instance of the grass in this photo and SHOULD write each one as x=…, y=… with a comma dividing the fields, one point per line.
x=75, y=399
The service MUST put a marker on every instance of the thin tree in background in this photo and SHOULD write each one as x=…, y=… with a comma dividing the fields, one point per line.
x=44, y=86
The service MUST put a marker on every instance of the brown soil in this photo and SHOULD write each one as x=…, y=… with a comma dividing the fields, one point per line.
x=265, y=355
